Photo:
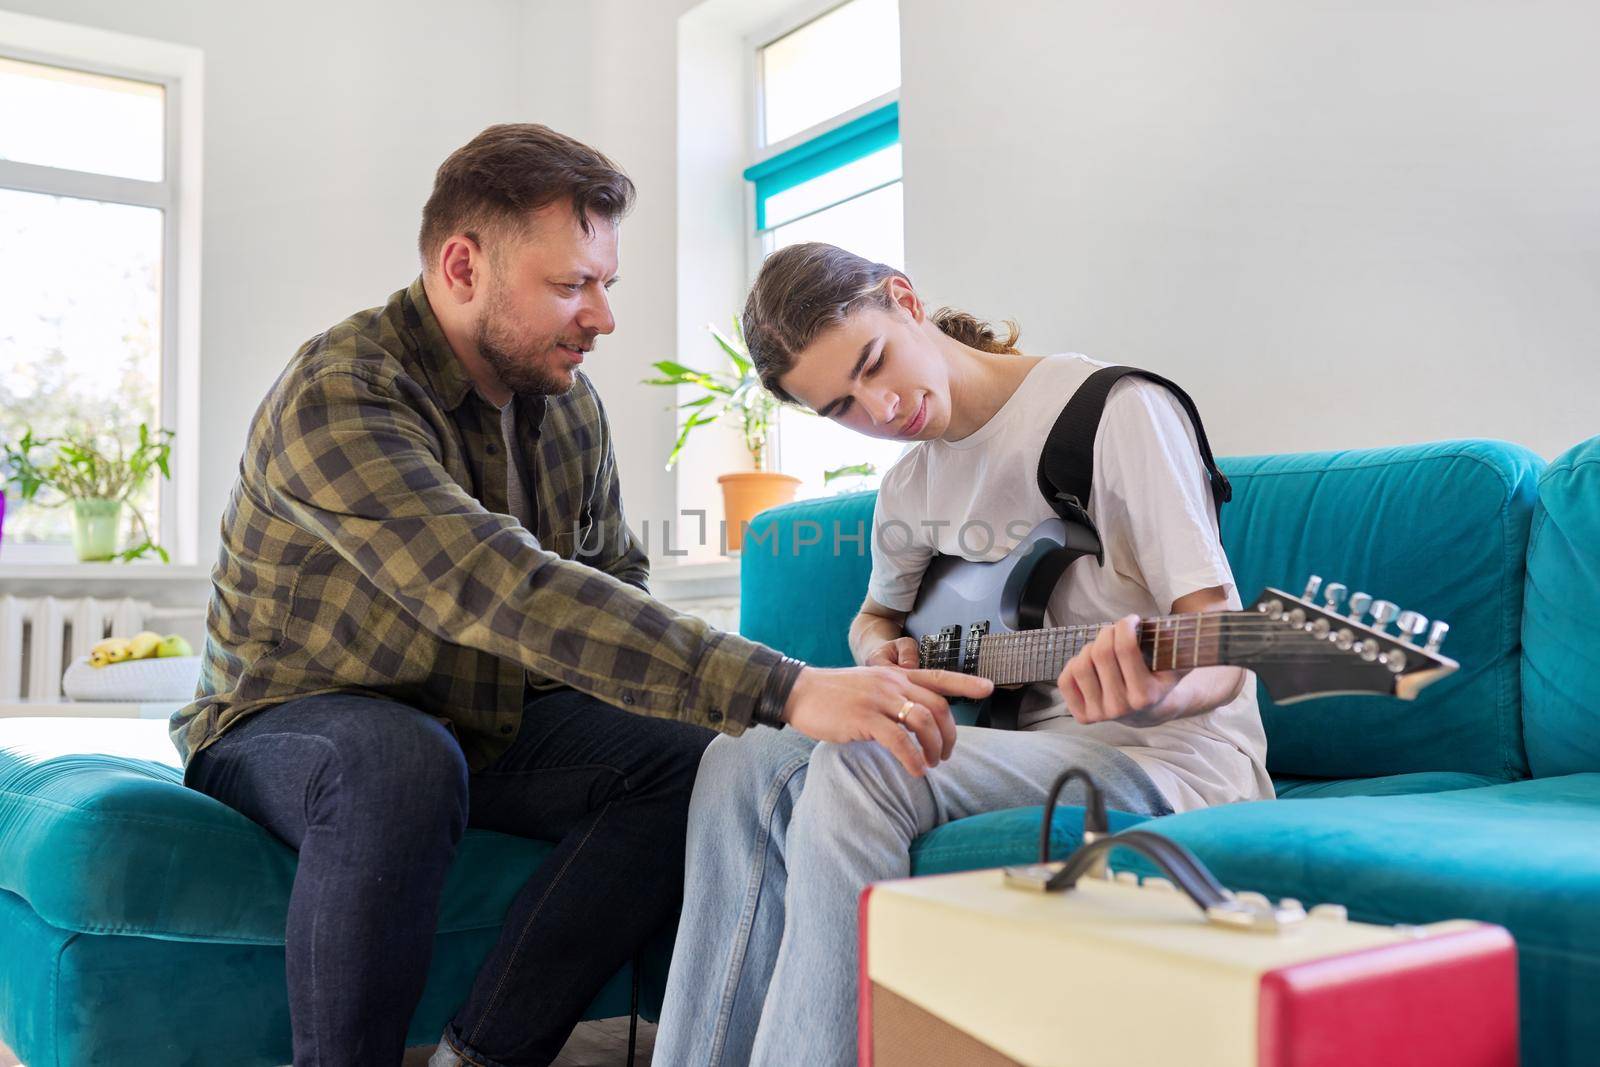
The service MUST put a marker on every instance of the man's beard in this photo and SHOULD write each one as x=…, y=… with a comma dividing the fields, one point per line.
x=522, y=366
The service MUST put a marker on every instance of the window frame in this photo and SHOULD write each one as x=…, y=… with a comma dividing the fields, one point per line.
x=757, y=152
x=758, y=242
x=178, y=69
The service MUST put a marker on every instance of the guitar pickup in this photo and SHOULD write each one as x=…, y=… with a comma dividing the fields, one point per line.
x=969, y=659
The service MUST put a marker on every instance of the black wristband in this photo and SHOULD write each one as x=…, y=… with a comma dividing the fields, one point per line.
x=769, y=709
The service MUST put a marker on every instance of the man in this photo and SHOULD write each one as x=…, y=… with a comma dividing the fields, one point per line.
x=428, y=614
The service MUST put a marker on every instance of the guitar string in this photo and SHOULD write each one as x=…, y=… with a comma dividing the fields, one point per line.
x=1023, y=650
x=1013, y=642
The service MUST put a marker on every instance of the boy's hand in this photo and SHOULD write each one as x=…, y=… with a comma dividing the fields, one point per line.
x=901, y=652
x=1110, y=680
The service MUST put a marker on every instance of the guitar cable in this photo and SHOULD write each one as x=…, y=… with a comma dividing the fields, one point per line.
x=1095, y=825
x=1180, y=866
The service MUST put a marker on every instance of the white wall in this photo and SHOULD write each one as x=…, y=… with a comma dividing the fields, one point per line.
x=606, y=73
x=657, y=85
x=1340, y=224
x=1337, y=223
x=324, y=123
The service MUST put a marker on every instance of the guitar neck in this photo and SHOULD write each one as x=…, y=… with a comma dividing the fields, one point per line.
x=1169, y=642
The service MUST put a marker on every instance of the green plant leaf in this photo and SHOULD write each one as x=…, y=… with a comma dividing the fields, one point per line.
x=863, y=469
x=744, y=400
x=733, y=351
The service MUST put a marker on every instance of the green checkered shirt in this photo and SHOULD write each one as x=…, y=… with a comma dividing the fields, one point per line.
x=367, y=548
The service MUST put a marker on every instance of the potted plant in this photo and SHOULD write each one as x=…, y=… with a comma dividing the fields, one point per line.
x=738, y=396
x=97, y=479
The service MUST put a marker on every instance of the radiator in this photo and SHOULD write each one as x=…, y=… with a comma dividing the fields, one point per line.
x=40, y=636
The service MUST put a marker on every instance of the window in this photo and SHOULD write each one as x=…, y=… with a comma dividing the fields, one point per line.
x=93, y=213
x=827, y=168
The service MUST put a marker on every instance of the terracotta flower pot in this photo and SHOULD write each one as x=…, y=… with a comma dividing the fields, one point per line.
x=748, y=493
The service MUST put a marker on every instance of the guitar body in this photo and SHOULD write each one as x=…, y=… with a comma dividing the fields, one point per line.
x=959, y=599
x=1009, y=594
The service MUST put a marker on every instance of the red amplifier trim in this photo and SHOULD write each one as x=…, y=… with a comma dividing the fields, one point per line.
x=863, y=985
x=1445, y=1001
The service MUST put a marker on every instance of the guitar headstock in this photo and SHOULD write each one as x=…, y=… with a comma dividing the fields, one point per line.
x=1302, y=649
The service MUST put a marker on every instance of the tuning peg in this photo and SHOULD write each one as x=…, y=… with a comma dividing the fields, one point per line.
x=1410, y=624
x=1382, y=612
x=1333, y=596
x=1313, y=583
x=1436, y=635
x=1358, y=605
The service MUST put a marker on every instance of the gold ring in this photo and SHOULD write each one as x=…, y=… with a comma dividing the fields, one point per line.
x=905, y=709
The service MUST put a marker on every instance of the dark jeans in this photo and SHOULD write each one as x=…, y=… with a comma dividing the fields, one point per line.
x=375, y=795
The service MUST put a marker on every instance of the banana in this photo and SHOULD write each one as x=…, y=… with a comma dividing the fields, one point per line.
x=101, y=646
x=118, y=649
x=97, y=659
x=142, y=645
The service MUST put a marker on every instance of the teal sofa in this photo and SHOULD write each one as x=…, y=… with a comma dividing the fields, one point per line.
x=142, y=923
x=1481, y=799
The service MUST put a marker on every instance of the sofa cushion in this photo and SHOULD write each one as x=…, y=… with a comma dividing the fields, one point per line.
x=803, y=573
x=1389, y=785
x=68, y=998
x=1439, y=528
x=120, y=888
x=99, y=835
x=1002, y=838
x=1561, y=618
x=1520, y=854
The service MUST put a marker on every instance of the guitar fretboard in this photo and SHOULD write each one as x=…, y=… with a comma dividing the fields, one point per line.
x=1169, y=642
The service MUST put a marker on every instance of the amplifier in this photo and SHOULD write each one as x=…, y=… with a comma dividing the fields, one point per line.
x=968, y=970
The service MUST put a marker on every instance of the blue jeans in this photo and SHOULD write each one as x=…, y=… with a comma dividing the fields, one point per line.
x=784, y=835
x=375, y=795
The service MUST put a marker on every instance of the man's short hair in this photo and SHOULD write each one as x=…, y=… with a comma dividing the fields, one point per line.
x=499, y=178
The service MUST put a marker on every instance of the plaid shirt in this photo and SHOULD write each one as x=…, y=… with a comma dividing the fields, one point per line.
x=366, y=547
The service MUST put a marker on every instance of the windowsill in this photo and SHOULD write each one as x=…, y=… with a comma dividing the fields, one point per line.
x=717, y=578
x=676, y=580
x=92, y=709
x=101, y=572
x=161, y=585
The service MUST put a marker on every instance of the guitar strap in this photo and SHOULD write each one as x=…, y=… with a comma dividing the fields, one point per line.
x=1066, y=474
x=1066, y=466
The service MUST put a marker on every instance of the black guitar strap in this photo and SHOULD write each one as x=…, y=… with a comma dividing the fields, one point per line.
x=1066, y=466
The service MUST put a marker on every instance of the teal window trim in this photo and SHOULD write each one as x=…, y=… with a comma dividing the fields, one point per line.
x=861, y=136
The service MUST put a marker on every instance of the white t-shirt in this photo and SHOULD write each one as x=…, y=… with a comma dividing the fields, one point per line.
x=1152, y=504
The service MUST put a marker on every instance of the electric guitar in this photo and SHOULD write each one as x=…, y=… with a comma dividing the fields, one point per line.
x=988, y=619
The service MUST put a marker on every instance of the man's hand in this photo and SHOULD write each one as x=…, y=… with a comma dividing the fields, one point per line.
x=1110, y=679
x=865, y=704
x=901, y=652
